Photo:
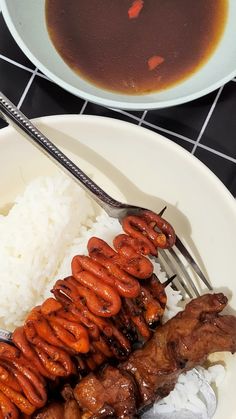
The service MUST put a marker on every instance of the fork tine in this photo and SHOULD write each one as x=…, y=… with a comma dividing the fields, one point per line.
x=169, y=280
x=180, y=246
x=185, y=253
x=184, y=270
x=170, y=265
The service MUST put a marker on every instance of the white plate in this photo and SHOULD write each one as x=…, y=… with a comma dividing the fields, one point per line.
x=143, y=168
x=26, y=22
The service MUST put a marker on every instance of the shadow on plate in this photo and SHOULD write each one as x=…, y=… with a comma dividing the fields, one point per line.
x=132, y=193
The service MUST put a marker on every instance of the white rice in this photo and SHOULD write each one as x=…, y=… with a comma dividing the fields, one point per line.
x=190, y=395
x=34, y=238
x=49, y=224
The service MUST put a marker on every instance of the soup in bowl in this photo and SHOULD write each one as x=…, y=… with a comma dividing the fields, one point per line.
x=185, y=58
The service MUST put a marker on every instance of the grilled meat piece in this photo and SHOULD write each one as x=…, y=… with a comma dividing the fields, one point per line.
x=60, y=410
x=182, y=343
x=54, y=410
x=179, y=345
x=112, y=387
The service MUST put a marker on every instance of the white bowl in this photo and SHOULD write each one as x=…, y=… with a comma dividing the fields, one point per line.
x=201, y=209
x=26, y=22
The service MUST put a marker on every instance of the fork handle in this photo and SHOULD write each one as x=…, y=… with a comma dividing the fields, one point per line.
x=13, y=116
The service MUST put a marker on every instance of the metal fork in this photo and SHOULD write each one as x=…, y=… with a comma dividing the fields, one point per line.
x=173, y=260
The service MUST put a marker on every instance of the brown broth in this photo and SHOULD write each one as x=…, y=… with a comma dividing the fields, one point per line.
x=98, y=40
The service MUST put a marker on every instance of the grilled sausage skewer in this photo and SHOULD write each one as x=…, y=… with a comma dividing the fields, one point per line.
x=83, y=316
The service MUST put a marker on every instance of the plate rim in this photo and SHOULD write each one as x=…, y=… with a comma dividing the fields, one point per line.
x=159, y=138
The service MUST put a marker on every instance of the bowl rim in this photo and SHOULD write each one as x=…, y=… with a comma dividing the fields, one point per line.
x=94, y=98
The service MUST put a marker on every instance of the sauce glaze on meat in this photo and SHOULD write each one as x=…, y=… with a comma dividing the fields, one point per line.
x=86, y=323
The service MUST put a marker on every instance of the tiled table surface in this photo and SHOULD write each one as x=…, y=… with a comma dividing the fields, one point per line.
x=205, y=127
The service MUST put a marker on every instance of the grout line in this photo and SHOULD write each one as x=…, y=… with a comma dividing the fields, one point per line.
x=218, y=153
x=142, y=118
x=125, y=113
x=207, y=119
x=166, y=131
x=149, y=124
x=10, y=61
x=23, y=96
x=83, y=107
x=45, y=77
x=23, y=67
